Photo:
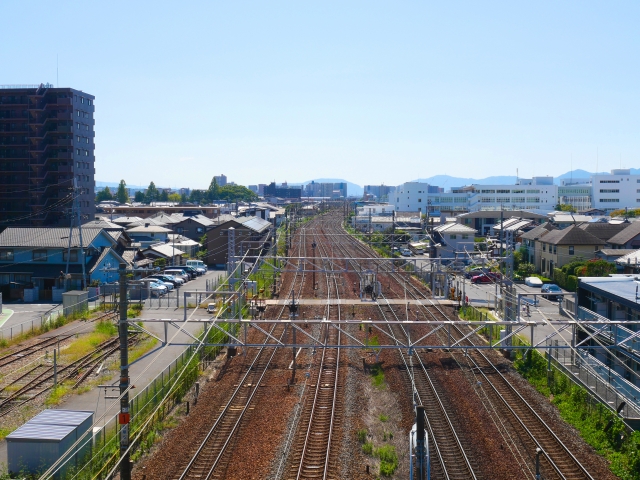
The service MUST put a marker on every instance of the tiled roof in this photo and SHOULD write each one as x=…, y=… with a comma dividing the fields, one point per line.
x=616, y=252
x=455, y=228
x=149, y=229
x=102, y=223
x=166, y=250
x=538, y=232
x=572, y=235
x=126, y=220
x=604, y=231
x=626, y=235
x=47, y=237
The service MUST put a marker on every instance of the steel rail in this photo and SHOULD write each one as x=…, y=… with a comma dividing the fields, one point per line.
x=192, y=465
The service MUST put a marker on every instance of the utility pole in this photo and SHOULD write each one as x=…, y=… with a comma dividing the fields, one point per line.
x=420, y=444
x=124, y=417
x=393, y=232
x=313, y=249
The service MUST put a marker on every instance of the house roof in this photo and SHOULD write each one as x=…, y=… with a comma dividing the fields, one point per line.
x=496, y=214
x=47, y=237
x=513, y=224
x=626, y=235
x=149, y=229
x=572, y=235
x=200, y=219
x=539, y=231
x=570, y=218
x=254, y=223
x=455, y=228
x=632, y=258
x=165, y=249
x=604, y=231
x=616, y=252
x=102, y=222
x=126, y=220
x=151, y=221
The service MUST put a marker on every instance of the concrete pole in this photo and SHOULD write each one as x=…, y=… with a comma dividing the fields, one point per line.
x=123, y=418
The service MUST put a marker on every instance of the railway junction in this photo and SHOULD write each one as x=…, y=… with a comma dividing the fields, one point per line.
x=328, y=379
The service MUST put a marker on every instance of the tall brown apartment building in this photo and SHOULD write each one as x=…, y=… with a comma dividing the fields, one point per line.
x=46, y=141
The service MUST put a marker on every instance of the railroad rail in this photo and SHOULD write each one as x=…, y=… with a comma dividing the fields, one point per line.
x=211, y=458
x=312, y=458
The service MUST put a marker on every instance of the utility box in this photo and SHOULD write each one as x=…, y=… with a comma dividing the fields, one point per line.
x=75, y=301
x=45, y=439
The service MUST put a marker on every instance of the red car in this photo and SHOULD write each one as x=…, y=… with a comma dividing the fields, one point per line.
x=486, y=278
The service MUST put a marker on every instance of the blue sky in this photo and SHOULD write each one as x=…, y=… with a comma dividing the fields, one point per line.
x=371, y=92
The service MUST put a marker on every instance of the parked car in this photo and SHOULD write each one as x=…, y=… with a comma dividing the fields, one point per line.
x=405, y=252
x=192, y=270
x=551, y=291
x=175, y=282
x=533, y=282
x=472, y=272
x=154, y=287
x=178, y=272
x=198, y=264
x=488, y=277
x=211, y=308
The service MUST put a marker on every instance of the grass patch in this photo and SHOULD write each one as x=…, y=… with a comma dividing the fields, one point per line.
x=134, y=310
x=84, y=345
x=107, y=328
x=141, y=348
x=383, y=417
x=377, y=376
x=388, y=459
x=4, y=432
x=367, y=448
x=362, y=435
x=56, y=395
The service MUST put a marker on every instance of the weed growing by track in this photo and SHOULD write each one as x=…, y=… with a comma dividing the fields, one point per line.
x=597, y=425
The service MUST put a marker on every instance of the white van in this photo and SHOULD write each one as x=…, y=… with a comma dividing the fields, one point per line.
x=198, y=264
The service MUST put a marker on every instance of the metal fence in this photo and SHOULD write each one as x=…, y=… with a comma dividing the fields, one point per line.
x=40, y=322
x=600, y=380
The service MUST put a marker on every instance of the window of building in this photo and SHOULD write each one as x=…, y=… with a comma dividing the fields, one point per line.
x=419, y=200
x=6, y=255
x=72, y=258
x=555, y=249
x=571, y=249
x=503, y=191
x=610, y=200
x=533, y=191
x=39, y=255
x=200, y=230
x=609, y=190
x=465, y=236
x=487, y=191
x=609, y=181
x=452, y=236
x=544, y=247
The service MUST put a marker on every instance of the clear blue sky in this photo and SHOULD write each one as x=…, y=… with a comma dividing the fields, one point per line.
x=367, y=91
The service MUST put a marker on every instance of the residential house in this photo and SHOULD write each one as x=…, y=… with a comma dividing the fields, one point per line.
x=147, y=235
x=604, y=230
x=533, y=246
x=627, y=238
x=39, y=258
x=560, y=247
x=193, y=227
x=164, y=251
x=454, y=239
x=251, y=234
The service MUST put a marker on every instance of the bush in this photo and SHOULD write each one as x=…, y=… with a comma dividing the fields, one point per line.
x=388, y=459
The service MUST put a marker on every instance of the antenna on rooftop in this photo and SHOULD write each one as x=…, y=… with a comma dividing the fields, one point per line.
x=57, y=76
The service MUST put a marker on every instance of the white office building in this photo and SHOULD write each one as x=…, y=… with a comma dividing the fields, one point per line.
x=616, y=190
x=537, y=194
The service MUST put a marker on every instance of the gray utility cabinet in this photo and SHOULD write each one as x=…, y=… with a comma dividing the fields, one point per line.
x=44, y=439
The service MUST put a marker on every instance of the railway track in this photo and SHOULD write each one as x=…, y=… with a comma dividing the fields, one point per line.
x=35, y=348
x=212, y=457
x=39, y=379
x=533, y=431
x=313, y=456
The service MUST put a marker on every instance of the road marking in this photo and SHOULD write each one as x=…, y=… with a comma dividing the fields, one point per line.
x=2, y=322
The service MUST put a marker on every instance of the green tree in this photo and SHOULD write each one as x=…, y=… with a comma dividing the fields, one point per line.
x=152, y=193
x=213, y=192
x=526, y=269
x=121, y=195
x=175, y=197
x=164, y=196
x=139, y=196
x=236, y=193
x=104, y=195
x=566, y=207
x=184, y=198
x=596, y=268
x=197, y=196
